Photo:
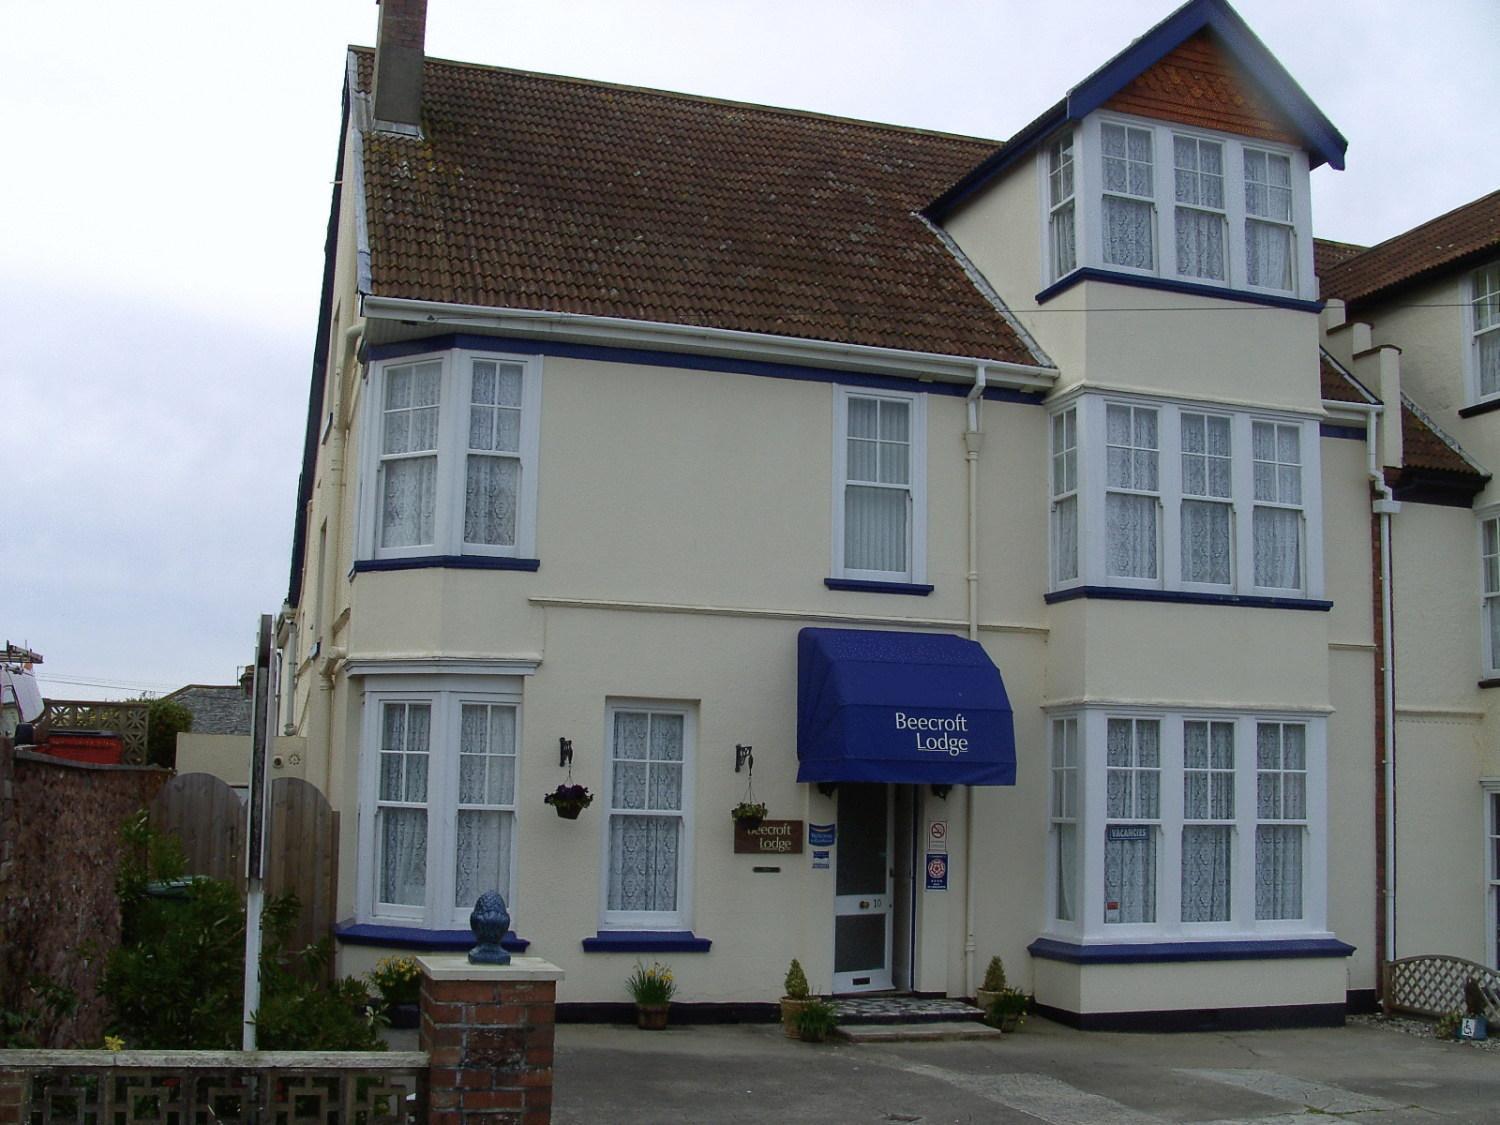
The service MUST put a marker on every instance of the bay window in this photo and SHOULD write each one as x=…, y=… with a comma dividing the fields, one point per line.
x=1484, y=324
x=1178, y=824
x=1200, y=208
x=1166, y=496
x=452, y=456
x=648, y=842
x=438, y=769
x=879, y=488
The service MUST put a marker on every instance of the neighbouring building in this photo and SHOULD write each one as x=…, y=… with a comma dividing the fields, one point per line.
x=1003, y=498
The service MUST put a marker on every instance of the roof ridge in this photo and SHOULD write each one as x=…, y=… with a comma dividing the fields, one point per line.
x=682, y=95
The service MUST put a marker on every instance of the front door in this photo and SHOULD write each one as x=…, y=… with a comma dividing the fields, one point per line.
x=863, y=902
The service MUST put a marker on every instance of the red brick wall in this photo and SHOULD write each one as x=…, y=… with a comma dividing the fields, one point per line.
x=1199, y=84
x=490, y=1046
x=59, y=852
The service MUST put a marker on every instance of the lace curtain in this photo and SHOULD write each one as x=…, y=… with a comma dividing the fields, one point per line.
x=644, y=849
x=408, y=484
x=486, y=796
x=1268, y=196
x=1067, y=871
x=1280, y=794
x=492, y=483
x=1268, y=254
x=1130, y=878
x=1199, y=185
x=1278, y=871
x=401, y=831
x=1130, y=519
x=1128, y=239
x=878, y=454
x=1132, y=791
x=1278, y=480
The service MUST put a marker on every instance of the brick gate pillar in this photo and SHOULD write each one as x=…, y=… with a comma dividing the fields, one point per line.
x=487, y=1031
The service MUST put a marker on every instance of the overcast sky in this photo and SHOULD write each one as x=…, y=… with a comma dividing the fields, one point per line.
x=167, y=185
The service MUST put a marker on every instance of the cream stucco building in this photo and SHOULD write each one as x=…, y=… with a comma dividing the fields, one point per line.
x=1002, y=499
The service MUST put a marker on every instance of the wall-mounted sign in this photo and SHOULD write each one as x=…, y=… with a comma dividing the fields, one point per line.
x=820, y=835
x=772, y=837
x=937, y=836
x=1128, y=832
x=820, y=861
x=937, y=871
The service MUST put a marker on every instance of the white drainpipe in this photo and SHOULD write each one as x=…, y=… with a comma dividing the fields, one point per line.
x=973, y=440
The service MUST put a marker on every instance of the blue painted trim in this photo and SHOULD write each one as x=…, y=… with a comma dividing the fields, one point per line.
x=684, y=361
x=916, y=589
x=1185, y=597
x=646, y=941
x=1354, y=433
x=414, y=937
x=450, y=562
x=1051, y=949
x=1013, y=150
x=1170, y=285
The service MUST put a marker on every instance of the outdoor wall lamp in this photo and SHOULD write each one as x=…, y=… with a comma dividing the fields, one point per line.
x=941, y=791
x=743, y=757
x=565, y=752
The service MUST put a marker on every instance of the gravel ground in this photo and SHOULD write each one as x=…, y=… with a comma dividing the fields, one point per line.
x=1422, y=1029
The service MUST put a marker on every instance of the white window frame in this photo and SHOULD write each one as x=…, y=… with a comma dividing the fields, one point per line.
x=916, y=488
x=681, y=918
x=1093, y=488
x=1066, y=812
x=1221, y=212
x=1488, y=276
x=1090, y=926
x=452, y=457
x=445, y=695
x=1211, y=774
x=1490, y=787
x=1148, y=201
x=1134, y=817
x=1282, y=773
x=1489, y=590
x=1089, y=212
x=1062, y=207
x=1063, y=427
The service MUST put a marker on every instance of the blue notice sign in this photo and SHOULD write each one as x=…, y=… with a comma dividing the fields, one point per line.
x=937, y=871
x=820, y=835
x=820, y=861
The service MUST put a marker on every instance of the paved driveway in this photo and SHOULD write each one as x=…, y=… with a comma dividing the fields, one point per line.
x=1046, y=1073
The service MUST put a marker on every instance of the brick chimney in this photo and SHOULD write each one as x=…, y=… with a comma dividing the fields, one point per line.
x=398, y=65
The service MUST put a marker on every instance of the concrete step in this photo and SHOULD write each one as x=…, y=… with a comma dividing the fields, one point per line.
x=929, y=1032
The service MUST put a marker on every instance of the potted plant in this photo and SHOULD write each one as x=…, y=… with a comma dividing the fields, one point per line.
x=749, y=814
x=569, y=800
x=652, y=990
x=1008, y=1011
x=816, y=1020
x=994, y=984
x=398, y=980
x=795, y=999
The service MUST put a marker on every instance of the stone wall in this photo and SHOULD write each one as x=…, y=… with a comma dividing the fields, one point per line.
x=59, y=851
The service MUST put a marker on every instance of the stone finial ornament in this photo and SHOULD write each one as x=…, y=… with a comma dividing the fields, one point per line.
x=489, y=921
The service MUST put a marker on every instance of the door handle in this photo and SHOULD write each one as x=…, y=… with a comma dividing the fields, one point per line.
x=864, y=904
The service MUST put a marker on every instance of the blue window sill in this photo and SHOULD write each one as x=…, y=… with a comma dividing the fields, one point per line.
x=451, y=562
x=1170, y=285
x=1051, y=949
x=646, y=941
x=1185, y=597
x=414, y=937
x=916, y=589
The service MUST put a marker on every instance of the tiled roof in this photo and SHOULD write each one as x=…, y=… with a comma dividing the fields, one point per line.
x=537, y=192
x=1327, y=254
x=1339, y=385
x=1425, y=446
x=1449, y=240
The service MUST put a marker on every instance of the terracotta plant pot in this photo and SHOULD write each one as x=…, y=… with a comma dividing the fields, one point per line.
x=651, y=1017
x=789, y=1011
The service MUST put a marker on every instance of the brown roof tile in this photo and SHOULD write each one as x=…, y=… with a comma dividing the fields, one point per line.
x=538, y=192
x=1339, y=385
x=1327, y=254
x=1444, y=242
x=1424, y=446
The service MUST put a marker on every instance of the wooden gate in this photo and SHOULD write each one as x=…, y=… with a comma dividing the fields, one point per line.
x=208, y=816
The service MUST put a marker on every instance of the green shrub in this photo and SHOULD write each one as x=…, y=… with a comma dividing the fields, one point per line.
x=994, y=976
x=816, y=1019
x=45, y=1004
x=796, y=981
x=177, y=980
x=164, y=721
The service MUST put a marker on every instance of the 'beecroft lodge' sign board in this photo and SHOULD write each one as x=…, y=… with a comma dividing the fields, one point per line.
x=773, y=837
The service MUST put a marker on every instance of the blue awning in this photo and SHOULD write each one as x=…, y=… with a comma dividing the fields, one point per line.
x=911, y=708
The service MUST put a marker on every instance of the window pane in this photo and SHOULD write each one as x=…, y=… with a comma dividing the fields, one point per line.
x=1278, y=871
x=1064, y=241
x=1065, y=516
x=1268, y=254
x=666, y=738
x=482, y=854
x=895, y=421
x=631, y=730
x=629, y=788
x=1127, y=233
x=402, y=839
x=1489, y=362
x=1067, y=870
x=643, y=862
x=864, y=414
x=1131, y=533
x=863, y=460
x=1200, y=243
x=875, y=528
x=1278, y=548
x=1206, y=550
x=1207, y=863
x=408, y=502
x=491, y=489
x=1130, y=878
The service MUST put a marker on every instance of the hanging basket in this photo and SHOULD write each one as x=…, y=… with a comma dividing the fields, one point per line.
x=569, y=800
x=748, y=814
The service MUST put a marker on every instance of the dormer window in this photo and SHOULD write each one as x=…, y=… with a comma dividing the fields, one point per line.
x=1145, y=199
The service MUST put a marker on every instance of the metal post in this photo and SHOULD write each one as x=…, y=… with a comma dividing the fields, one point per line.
x=258, y=825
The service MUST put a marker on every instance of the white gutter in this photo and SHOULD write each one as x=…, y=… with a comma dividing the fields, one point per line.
x=606, y=330
x=973, y=441
x=1384, y=507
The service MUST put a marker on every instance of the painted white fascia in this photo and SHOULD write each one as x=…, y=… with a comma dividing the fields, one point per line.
x=618, y=331
x=443, y=665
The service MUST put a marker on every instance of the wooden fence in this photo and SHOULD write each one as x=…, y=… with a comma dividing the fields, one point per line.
x=1433, y=985
x=208, y=816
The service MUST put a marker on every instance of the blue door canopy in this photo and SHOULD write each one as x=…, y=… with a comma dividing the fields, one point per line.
x=912, y=708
